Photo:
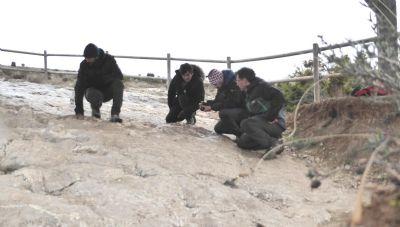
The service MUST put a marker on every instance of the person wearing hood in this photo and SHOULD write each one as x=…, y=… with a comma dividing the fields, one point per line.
x=229, y=101
x=99, y=80
x=266, y=108
x=185, y=93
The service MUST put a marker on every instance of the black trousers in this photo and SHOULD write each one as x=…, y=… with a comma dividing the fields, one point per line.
x=177, y=113
x=181, y=109
x=229, y=122
x=258, y=134
x=114, y=91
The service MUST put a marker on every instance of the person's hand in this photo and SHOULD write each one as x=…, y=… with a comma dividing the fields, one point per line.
x=79, y=116
x=205, y=108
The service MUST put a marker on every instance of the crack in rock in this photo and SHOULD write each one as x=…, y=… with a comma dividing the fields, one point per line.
x=4, y=148
x=138, y=171
x=274, y=200
x=58, y=192
x=10, y=168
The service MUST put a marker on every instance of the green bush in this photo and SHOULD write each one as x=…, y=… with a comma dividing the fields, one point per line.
x=332, y=87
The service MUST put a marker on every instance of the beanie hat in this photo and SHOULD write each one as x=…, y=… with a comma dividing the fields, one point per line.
x=91, y=51
x=184, y=68
x=215, y=77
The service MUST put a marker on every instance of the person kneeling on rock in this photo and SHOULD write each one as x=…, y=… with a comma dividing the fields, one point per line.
x=99, y=80
x=185, y=93
x=229, y=101
x=265, y=106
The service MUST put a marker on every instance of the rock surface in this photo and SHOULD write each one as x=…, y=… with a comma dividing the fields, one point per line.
x=59, y=171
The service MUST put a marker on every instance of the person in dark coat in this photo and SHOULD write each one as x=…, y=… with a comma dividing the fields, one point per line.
x=99, y=80
x=185, y=93
x=229, y=100
x=265, y=106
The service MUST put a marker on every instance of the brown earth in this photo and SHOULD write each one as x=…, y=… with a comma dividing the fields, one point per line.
x=376, y=115
x=384, y=210
x=349, y=155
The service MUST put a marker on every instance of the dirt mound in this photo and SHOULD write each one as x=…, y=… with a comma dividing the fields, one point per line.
x=349, y=115
x=376, y=116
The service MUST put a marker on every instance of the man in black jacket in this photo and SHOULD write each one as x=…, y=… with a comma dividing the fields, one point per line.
x=265, y=106
x=99, y=80
x=229, y=101
x=185, y=92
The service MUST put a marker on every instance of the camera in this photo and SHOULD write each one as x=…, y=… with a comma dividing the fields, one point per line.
x=202, y=104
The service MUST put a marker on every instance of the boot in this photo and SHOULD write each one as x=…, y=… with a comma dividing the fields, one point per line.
x=191, y=120
x=277, y=142
x=115, y=118
x=96, y=112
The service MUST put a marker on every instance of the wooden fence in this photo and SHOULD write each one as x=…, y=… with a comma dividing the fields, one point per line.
x=316, y=50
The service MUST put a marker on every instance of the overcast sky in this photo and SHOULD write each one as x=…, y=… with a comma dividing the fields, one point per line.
x=207, y=29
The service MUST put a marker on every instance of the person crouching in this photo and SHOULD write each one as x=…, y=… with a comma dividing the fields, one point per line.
x=266, y=107
x=99, y=80
x=185, y=93
x=229, y=102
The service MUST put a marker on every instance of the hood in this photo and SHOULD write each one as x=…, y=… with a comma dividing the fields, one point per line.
x=197, y=73
x=101, y=53
x=228, y=76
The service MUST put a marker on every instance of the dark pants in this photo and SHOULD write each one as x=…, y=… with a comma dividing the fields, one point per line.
x=229, y=122
x=177, y=113
x=258, y=134
x=114, y=91
x=181, y=109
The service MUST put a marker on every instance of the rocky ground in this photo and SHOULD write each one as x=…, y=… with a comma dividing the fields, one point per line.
x=59, y=171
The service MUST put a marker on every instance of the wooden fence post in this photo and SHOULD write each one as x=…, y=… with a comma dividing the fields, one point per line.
x=45, y=63
x=168, y=69
x=317, y=89
x=229, y=62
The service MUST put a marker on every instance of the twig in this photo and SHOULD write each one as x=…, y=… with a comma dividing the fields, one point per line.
x=312, y=139
x=357, y=214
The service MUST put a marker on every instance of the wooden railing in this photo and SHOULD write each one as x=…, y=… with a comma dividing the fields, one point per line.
x=316, y=50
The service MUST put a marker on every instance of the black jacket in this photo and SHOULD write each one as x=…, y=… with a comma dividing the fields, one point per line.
x=264, y=100
x=187, y=95
x=228, y=95
x=99, y=75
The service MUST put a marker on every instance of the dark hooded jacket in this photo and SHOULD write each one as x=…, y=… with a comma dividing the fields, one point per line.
x=228, y=95
x=266, y=101
x=100, y=74
x=187, y=95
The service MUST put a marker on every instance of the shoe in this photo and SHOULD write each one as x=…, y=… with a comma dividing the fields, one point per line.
x=96, y=113
x=191, y=120
x=115, y=118
x=275, y=143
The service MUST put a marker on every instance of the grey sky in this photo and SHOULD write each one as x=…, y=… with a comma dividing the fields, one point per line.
x=208, y=29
